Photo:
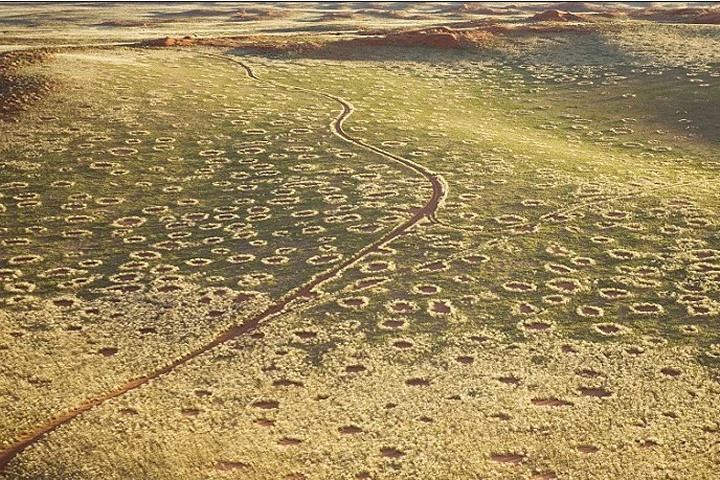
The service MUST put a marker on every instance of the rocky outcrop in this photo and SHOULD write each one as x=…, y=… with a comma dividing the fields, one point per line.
x=556, y=16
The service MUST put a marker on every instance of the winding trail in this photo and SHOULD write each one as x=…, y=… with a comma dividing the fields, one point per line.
x=438, y=184
x=286, y=303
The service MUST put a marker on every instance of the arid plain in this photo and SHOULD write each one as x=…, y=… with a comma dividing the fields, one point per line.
x=359, y=241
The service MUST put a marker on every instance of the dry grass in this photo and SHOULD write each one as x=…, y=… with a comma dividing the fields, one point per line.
x=554, y=317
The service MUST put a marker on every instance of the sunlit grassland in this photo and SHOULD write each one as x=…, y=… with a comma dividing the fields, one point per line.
x=555, y=318
x=135, y=182
x=589, y=165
